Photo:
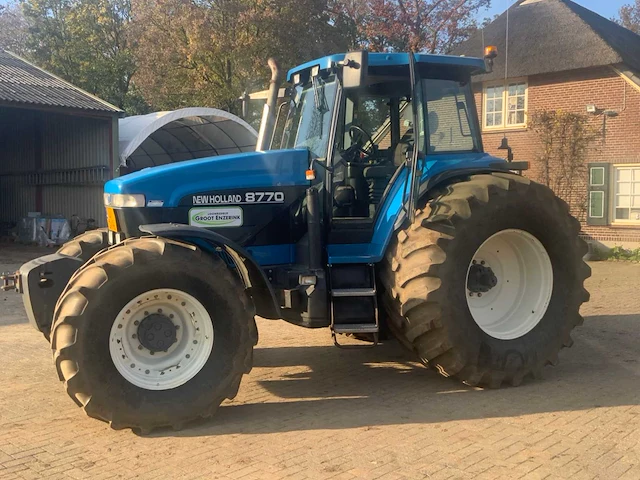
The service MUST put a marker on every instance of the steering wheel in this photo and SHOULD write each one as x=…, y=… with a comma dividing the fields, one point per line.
x=359, y=137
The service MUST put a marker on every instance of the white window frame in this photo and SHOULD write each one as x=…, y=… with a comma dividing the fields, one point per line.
x=602, y=197
x=505, y=110
x=614, y=194
x=591, y=182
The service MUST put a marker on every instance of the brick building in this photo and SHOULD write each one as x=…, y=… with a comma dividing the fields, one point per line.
x=561, y=56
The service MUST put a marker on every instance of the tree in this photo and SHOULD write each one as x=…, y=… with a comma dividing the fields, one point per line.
x=433, y=26
x=630, y=16
x=87, y=42
x=13, y=28
x=566, y=139
x=208, y=52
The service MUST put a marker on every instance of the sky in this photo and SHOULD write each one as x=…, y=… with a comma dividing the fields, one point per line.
x=606, y=8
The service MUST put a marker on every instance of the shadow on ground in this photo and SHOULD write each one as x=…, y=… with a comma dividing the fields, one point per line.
x=382, y=386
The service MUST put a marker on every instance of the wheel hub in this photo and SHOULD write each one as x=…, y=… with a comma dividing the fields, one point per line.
x=157, y=333
x=481, y=278
x=512, y=307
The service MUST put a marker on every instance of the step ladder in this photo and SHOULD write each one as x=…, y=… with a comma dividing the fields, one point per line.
x=354, y=302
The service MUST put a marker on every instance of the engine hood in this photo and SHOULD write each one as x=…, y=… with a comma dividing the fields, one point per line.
x=165, y=185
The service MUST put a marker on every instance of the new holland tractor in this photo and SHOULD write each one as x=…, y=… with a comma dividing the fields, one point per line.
x=378, y=210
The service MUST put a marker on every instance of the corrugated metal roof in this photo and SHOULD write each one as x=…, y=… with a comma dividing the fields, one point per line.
x=23, y=83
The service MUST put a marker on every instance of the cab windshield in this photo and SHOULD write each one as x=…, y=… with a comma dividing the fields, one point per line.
x=309, y=120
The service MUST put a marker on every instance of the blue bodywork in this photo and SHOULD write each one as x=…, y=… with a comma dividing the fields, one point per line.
x=166, y=185
x=170, y=183
x=474, y=65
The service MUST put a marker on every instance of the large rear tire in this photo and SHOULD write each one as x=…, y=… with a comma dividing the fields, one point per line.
x=487, y=283
x=106, y=319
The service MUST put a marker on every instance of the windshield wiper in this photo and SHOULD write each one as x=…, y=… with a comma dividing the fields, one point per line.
x=318, y=95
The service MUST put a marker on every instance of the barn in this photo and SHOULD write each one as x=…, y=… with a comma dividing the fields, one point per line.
x=60, y=144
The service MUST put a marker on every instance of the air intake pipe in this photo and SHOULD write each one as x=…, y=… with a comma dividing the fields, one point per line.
x=269, y=112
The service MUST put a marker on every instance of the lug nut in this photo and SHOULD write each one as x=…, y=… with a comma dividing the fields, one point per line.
x=134, y=336
x=140, y=347
x=136, y=323
x=482, y=262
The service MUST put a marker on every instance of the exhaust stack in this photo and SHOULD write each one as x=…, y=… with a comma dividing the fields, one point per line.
x=269, y=112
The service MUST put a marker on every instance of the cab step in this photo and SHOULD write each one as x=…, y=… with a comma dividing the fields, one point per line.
x=354, y=292
x=354, y=303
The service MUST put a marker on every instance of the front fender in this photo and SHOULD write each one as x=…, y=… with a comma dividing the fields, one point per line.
x=41, y=282
x=253, y=277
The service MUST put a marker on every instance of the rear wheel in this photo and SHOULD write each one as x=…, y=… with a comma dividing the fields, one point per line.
x=153, y=333
x=486, y=285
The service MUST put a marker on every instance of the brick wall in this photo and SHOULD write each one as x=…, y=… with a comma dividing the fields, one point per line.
x=573, y=91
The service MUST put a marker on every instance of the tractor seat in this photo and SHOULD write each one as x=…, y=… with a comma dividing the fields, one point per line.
x=377, y=178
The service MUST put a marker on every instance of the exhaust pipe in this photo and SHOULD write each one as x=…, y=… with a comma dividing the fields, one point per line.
x=268, y=122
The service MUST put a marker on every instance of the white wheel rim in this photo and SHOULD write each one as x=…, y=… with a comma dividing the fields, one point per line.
x=162, y=370
x=519, y=299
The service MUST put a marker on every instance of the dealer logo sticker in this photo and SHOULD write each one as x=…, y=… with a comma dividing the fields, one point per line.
x=216, y=217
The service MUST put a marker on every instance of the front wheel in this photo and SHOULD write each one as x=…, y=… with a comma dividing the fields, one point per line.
x=487, y=284
x=153, y=333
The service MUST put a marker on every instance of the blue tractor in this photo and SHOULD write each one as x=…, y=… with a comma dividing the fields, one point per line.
x=374, y=211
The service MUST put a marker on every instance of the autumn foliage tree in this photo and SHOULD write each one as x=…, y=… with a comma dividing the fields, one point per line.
x=166, y=54
x=13, y=28
x=88, y=43
x=209, y=52
x=630, y=16
x=432, y=26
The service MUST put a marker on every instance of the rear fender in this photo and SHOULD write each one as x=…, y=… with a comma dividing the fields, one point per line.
x=443, y=178
x=253, y=277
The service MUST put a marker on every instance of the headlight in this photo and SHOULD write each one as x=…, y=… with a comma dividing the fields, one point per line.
x=123, y=200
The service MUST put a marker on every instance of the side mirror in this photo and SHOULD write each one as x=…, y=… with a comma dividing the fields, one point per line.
x=354, y=69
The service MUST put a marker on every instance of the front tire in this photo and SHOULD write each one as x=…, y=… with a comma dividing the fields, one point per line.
x=487, y=284
x=105, y=320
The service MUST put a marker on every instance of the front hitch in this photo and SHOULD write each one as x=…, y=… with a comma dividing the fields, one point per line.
x=10, y=281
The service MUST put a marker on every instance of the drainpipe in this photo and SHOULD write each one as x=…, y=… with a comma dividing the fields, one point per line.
x=269, y=112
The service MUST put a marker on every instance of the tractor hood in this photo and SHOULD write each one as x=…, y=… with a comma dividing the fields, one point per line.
x=166, y=185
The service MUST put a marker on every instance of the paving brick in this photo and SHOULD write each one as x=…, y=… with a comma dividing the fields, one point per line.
x=311, y=411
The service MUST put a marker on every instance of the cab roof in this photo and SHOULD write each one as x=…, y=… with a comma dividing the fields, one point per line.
x=475, y=65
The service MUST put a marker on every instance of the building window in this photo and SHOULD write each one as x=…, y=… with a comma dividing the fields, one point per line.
x=505, y=105
x=626, y=200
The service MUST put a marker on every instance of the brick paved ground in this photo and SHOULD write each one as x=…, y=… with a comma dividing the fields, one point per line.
x=309, y=410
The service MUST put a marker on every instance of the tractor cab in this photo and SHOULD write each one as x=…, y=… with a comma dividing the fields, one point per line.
x=357, y=116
